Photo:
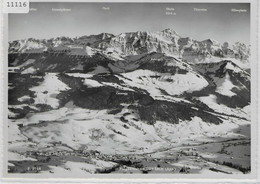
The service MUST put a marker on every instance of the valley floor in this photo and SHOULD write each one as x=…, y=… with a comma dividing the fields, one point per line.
x=218, y=155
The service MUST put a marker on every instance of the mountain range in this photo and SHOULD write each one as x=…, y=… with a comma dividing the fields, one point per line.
x=138, y=43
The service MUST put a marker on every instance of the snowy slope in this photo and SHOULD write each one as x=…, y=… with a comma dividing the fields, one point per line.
x=154, y=82
x=46, y=91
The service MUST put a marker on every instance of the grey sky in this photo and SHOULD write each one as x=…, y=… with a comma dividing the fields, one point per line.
x=218, y=22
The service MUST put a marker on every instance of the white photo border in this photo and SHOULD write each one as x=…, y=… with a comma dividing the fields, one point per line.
x=96, y=178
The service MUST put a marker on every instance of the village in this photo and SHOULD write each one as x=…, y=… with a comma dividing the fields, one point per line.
x=145, y=162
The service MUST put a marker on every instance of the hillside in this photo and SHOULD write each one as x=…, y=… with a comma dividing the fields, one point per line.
x=133, y=100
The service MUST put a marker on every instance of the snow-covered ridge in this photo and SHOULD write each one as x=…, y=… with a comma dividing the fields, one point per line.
x=166, y=41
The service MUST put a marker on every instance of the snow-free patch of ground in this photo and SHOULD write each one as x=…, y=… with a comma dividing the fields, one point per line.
x=28, y=62
x=99, y=69
x=88, y=51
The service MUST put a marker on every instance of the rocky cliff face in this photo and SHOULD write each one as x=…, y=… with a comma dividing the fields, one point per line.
x=145, y=42
x=141, y=42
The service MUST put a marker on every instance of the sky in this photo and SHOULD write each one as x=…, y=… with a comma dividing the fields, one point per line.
x=218, y=22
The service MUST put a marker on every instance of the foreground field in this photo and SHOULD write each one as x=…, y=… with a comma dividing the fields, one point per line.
x=66, y=143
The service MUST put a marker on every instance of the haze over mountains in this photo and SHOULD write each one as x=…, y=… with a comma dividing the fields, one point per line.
x=136, y=93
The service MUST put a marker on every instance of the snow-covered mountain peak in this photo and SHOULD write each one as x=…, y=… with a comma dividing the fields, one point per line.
x=106, y=35
x=170, y=32
x=211, y=42
x=167, y=41
x=29, y=45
